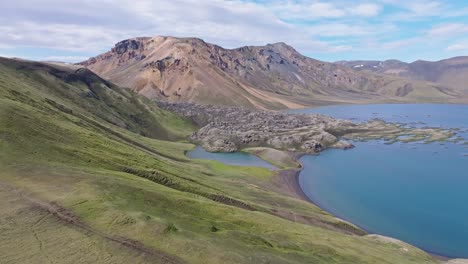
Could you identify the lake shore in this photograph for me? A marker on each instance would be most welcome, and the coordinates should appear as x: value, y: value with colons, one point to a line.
x: 265, y: 134
x: 290, y: 185
x: 286, y: 181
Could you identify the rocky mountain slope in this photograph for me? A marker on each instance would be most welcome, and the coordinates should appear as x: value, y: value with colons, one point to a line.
x: 451, y: 72
x: 273, y: 76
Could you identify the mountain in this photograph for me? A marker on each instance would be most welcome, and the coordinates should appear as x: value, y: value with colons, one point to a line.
x: 94, y: 173
x: 274, y: 76
x: 451, y: 72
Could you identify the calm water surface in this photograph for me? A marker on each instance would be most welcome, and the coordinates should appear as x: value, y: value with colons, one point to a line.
x: 237, y: 158
x: 414, y: 192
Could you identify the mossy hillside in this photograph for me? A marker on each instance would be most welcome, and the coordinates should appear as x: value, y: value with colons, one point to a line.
x: 80, y: 92
x: 133, y: 193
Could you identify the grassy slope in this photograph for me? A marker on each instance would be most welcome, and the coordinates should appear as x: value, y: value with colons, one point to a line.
x: 88, y: 176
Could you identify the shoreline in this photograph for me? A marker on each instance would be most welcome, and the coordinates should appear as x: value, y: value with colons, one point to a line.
x: 286, y: 182
x: 290, y: 177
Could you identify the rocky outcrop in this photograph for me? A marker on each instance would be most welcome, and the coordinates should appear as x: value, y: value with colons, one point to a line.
x: 229, y: 129
x: 125, y: 45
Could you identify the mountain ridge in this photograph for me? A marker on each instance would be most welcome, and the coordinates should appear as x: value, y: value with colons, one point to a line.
x: 274, y: 76
x: 451, y: 72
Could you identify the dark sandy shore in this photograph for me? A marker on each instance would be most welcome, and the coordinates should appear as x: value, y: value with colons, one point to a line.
x: 288, y: 183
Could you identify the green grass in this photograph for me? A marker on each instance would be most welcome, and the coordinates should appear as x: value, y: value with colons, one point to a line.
x: 114, y: 163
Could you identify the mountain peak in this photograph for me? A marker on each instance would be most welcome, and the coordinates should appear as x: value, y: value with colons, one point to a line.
x: 272, y: 76
x: 281, y: 46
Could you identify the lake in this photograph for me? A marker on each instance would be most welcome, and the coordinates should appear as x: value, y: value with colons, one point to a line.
x: 415, y: 192
x: 236, y: 158
x: 410, y: 191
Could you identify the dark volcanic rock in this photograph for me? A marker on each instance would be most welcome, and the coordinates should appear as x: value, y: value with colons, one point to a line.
x: 125, y: 45
x: 228, y: 129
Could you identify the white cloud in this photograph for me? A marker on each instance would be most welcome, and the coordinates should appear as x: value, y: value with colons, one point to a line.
x: 321, y: 9
x: 59, y: 36
x: 343, y: 29
x: 305, y: 10
x: 418, y: 9
x: 446, y: 30
x: 341, y: 48
x: 65, y: 58
x: 367, y: 10
x: 463, y: 46
x: 88, y: 27
x: 3, y: 46
x: 94, y: 26
x: 424, y: 8
x: 337, y: 29
x: 398, y: 44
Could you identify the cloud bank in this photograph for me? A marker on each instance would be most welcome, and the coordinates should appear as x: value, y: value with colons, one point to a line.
x: 325, y: 29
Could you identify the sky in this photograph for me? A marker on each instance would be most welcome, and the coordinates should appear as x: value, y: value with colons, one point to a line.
x: 333, y: 30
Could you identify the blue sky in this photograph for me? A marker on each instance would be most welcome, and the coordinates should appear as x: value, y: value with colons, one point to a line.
x: 333, y: 30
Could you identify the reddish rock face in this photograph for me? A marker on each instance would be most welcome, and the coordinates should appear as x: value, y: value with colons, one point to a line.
x: 274, y: 76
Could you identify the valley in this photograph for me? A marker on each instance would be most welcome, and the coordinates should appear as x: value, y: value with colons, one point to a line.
x: 233, y: 132
x: 88, y: 164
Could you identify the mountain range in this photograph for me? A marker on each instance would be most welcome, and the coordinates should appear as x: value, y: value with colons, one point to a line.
x: 274, y: 76
x: 451, y: 72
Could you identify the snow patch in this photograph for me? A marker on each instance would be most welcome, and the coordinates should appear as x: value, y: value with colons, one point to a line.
x: 299, y: 78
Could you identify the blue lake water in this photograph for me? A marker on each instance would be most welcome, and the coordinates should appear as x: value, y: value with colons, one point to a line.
x: 414, y: 192
x: 237, y: 158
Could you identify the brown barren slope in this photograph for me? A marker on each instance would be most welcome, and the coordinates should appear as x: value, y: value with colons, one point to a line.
x: 451, y: 72
x: 274, y: 76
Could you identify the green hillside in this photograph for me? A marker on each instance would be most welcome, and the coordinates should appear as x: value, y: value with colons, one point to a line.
x: 92, y: 173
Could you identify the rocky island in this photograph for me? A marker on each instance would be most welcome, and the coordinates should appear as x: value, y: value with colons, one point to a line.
x: 230, y: 129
